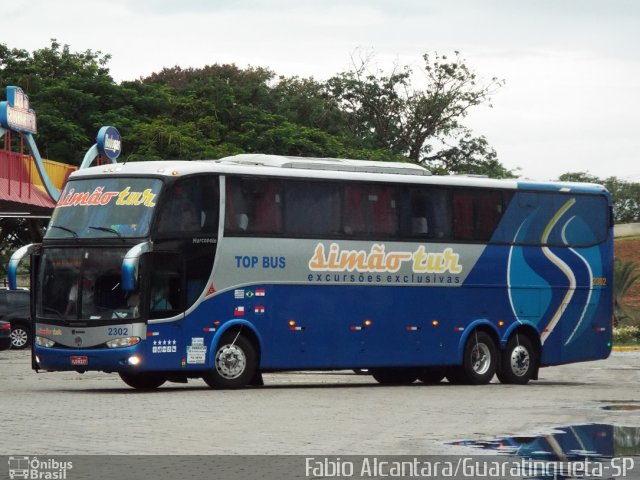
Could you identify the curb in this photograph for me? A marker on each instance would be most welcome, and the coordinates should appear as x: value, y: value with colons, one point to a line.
x: 627, y: 349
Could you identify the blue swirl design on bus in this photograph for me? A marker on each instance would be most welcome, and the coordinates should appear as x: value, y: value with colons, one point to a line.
x: 555, y: 275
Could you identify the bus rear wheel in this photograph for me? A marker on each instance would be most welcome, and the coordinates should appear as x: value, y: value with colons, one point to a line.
x: 479, y: 362
x: 234, y: 365
x: 518, y: 361
x: 395, y: 376
x: 143, y: 381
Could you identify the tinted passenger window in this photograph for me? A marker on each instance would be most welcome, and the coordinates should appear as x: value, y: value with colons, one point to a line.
x: 476, y: 214
x: 311, y: 208
x: 426, y: 213
x: 190, y: 207
x: 370, y: 210
x: 253, y: 206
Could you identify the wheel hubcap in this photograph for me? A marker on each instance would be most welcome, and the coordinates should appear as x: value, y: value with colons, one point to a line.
x: 520, y: 360
x: 480, y: 358
x: 18, y: 338
x: 230, y: 361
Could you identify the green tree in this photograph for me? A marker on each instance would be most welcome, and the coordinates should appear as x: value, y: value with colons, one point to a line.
x: 624, y: 277
x: 625, y: 195
x: 69, y: 90
x: 387, y: 111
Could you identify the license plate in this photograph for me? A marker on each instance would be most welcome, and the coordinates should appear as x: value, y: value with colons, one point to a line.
x: 79, y: 360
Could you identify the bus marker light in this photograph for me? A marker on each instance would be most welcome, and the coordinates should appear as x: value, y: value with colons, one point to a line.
x: 174, y: 173
x: 435, y: 323
x: 216, y: 323
x: 501, y: 323
x: 293, y: 327
x: 367, y: 323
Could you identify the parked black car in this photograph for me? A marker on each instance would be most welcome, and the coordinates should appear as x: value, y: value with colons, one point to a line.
x: 5, y: 335
x: 14, y: 308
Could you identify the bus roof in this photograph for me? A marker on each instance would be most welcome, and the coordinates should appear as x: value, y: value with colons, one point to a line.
x: 322, y: 168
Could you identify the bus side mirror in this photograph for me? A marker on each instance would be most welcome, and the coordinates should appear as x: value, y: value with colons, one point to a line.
x: 131, y: 264
x: 14, y: 262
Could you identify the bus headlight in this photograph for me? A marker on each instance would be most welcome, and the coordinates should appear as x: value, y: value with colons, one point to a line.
x: 44, y: 342
x: 123, y: 342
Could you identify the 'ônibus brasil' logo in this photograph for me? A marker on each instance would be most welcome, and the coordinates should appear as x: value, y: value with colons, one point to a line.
x: 377, y: 260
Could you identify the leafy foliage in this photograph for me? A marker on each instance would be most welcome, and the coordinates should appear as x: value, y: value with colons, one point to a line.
x: 386, y: 111
x: 626, y: 195
x: 220, y: 110
x: 624, y: 276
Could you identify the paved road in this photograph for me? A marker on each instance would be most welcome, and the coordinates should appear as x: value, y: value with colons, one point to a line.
x: 336, y: 413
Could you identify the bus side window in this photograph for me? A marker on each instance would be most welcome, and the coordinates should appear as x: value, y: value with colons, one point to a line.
x: 369, y: 210
x: 383, y: 210
x: 166, y: 294
x: 188, y: 210
x: 463, y: 216
x: 267, y: 211
x: 311, y: 208
x: 353, y: 210
x: 490, y: 209
x: 253, y: 206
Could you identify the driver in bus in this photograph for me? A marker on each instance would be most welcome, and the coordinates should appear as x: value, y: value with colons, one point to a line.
x: 87, y: 299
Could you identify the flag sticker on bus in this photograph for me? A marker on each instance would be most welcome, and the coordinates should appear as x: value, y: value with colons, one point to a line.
x: 238, y: 311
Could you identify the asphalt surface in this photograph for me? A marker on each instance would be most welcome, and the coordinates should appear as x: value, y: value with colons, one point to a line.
x: 302, y: 413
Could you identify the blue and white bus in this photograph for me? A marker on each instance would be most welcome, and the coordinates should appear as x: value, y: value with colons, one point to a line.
x: 225, y: 269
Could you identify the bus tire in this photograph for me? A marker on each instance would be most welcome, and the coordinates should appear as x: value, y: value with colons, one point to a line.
x: 479, y: 361
x: 395, y: 376
x: 234, y: 364
x: 143, y: 381
x: 518, y: 361
x: 431, y: 376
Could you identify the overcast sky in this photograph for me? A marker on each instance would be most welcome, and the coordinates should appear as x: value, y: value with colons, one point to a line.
x: 572, y: 68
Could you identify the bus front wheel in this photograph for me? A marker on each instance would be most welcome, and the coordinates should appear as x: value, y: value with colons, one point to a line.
x: 518, y: 361
x: 143, y: 381
x: 234, y: 365
x: 479, y: 363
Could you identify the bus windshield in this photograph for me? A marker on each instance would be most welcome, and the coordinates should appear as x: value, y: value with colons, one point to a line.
x: 84, y: 284
x: 99, y: 208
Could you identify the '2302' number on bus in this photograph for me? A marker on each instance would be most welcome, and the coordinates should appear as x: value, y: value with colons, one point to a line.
x: 118, y: 331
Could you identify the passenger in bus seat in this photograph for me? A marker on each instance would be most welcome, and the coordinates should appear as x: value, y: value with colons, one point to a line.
x: 419, y: 226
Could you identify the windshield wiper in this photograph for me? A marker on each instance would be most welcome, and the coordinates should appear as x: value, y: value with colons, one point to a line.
x: 107, y: 229
x: 75, y: 235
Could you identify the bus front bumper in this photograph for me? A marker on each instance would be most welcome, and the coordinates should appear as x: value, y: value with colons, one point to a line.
x: 82, y: 360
